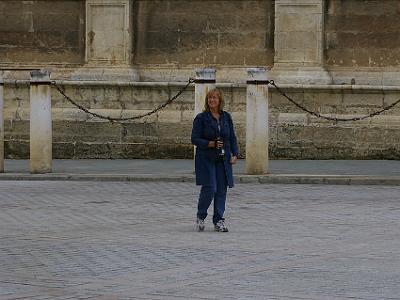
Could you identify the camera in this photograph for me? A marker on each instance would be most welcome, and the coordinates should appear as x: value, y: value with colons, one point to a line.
x: 222, y: 152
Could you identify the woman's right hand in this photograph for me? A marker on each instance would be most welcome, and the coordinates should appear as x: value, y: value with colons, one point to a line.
x: 216, y: 144
x: 211, y: 144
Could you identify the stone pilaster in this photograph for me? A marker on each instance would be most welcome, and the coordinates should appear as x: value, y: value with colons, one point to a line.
x: 108, y: 28
x: 299, y: 41
x: 108, y: 53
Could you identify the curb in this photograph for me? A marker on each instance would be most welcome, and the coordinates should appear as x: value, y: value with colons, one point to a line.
x: 321, y: 179
x: 261, y: 179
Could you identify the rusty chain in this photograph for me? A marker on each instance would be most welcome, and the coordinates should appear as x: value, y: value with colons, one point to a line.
x: 113, y: 119
x: 191, y: 80
x: 318, y: 115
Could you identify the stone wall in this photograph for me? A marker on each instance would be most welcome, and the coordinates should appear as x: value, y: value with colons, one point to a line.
x: 362, y: 33
x: 78, y: 135
x: 294, y: 134
x: 336, y: 57
x: 36, y: 32
x: 197, y: 32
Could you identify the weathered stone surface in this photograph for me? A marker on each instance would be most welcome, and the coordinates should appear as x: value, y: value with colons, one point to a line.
x: 108, y: 36
x: 204, y: 32
x: 293, y: 133
x: 362, y: 33
x: 30, y: 34
x: 171, y: 38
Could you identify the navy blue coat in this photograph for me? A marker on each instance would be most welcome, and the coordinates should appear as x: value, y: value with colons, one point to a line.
x: 205, y: 129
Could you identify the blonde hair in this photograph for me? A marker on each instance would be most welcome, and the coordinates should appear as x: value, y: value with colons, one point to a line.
x: 220, y: 98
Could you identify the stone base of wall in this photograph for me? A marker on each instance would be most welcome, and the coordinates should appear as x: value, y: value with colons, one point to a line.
x: 294, y: 134
x: 82, y: 150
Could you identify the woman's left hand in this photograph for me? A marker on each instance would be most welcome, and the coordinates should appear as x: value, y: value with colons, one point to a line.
x: 233, y: 160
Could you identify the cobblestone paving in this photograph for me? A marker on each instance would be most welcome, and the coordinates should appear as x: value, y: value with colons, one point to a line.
x: 106, y: 241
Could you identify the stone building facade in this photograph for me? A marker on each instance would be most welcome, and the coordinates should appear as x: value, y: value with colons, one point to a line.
x: 125, y: 57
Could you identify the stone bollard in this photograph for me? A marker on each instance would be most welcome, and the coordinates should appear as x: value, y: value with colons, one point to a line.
x: 204, y: 82
x: 257, y: 122
x: 1, y: 124
x: 40, y: 123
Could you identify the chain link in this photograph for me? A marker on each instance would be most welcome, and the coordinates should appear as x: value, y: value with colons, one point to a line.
x: 318, y: 115
x: 113, y: 119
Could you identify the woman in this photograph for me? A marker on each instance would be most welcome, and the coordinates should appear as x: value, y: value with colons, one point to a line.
x: 216, y: 152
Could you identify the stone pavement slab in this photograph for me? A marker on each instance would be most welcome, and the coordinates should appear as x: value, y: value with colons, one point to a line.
x: 135, y: 240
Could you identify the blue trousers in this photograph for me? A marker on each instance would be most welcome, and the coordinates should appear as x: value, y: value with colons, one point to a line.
x: 217, y: 192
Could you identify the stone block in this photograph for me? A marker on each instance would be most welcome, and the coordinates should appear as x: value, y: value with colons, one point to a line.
x: 378, y: 40
x: 169, y: 116
x: 226, y: 23
x: 86, y: 132
x: 384, y: 57
x: 196, y: 40
x: 58, y: 22
x: 188, y: 115
x: 63, y: 150
x: 162, y: 40
x: 340, y: 57
x: 238, y: 117
x: 58, y: 7
x: 372, y: 100
x: 14, y: 7
x: 298, y: 22
x: 251, y: 23
x: 15, y: 22
x: 208, y: 7
x: 280, y: 104
x: 156, y: 6
x: 293, y: 118
x: 90, y: 151
x: 311, y: 56
x: 174, y: 130
x: 16, y: 149
x: 259, y: 57
x: 258, y: 7
x: 17, y: 114
x: 362, y: 23
x: 156, y: 21
x: 170, y: 151
x: 385, y: 120
x: 364, y: 7
x: 290, y: 55
x: 224, y: 57
x: 299, y: 40
x: 16, y: 130
x: 250, y: 40
x: 324, y: 98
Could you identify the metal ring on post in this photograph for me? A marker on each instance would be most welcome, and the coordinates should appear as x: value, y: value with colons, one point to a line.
x: 258, y: 82
x: 204, y: 81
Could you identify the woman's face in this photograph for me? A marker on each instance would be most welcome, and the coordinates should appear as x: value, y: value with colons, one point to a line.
x: 213, y: 100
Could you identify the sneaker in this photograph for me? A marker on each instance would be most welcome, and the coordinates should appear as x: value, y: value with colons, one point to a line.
x: 199, y: 225
x: 220, y: 226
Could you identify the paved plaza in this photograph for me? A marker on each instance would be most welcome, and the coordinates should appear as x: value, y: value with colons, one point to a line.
x: 135, y: 240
